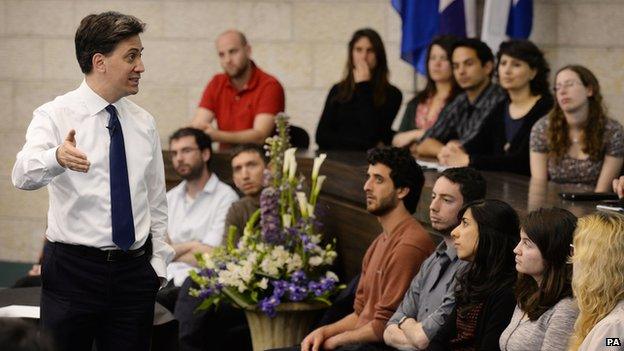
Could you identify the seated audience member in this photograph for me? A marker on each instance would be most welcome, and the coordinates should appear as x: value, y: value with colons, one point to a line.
x: 423, y: 110
x: 484, y: 300
x: 392, y: 188
x: 546, y: 311
x: 577, y: 142
x: 248, y: 164
x: 197, y: 206
x: 598, y: 256
x: 502, y: 144
x: 359, y: 110
x: 430, y: 298
x: 17, y: 334
x: 461, y: 120
x: 225, y: 328
x: 244, y: 100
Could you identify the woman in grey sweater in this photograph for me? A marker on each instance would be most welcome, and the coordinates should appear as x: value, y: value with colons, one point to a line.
x: 545, y: 314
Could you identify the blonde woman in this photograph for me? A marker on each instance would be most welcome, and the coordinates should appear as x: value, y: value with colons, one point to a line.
x: 598, y: 280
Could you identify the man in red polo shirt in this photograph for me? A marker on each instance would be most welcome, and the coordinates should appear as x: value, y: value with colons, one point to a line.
x: 244, y: 99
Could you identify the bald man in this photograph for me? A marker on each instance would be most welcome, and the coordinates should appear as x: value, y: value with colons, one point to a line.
x: 244, y: 99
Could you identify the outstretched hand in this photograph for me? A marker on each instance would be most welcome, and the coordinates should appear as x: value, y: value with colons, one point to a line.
x: 68, y: 156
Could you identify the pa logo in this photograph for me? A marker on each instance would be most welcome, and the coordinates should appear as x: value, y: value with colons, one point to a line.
x: 613, y: 342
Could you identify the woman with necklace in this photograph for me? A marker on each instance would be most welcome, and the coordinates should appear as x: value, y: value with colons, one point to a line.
x: 545, y: 314
x: 577, y: 142
x: 422, y: 111
x: 485, y: 237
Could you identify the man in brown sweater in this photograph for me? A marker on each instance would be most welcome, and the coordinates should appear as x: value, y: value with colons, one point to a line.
x: 393, y: 186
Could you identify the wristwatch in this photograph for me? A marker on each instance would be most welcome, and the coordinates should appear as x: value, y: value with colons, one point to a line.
x: 403, y: 319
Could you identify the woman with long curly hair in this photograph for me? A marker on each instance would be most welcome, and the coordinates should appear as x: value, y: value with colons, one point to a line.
x: 545, y: 314
x: 598, y: 280
x: 502, y: 143
x: 577, y: 142
x: 484, y: 299
x: 360, y: 109
x: 422, y: 111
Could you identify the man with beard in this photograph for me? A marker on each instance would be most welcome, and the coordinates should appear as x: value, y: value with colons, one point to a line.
x: 393, y: 186
x: 430, y: 299
x: 197, y: 206
x: 244, y: 100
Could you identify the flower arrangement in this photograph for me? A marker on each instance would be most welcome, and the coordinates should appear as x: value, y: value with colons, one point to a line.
x: 280, y: 257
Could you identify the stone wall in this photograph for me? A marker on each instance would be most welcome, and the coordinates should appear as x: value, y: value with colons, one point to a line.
x: 303, y: 43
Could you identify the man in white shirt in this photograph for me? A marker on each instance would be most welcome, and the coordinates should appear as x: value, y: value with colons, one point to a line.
x: 99, y: 154
x: 198, y: 205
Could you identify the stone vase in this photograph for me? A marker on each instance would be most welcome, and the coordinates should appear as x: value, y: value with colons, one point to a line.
x: 287, y: 328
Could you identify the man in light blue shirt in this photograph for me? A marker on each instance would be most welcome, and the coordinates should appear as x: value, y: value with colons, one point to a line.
x: 430, y: 298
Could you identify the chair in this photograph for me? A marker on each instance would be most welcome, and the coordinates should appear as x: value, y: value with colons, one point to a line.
x: 299, y: 138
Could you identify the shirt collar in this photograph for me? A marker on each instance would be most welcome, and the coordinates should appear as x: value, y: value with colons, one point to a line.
x: 253, y: 79
x: 487, y: 94
x: 94, y: 102
x: 443, y: 249
x: 210, y: 187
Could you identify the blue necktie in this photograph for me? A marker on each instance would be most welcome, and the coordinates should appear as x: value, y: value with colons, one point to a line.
x: 121, y: 205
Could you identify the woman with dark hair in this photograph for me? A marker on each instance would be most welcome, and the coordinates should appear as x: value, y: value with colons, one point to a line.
x: 577, y: 142
x: 546, y: 311
x: 485, y: 237
x: 503, y: 141
x: 423, y: 110
x: 359, y: 110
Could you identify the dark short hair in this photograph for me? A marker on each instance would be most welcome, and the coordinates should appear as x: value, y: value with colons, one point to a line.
x: 404, y: 172
x: 552, y: 230
x: 525, y: 50
x: 202, y: 139
x: 101, y: 33
x: 484, y: 53
x: 250, y: 147
x: 472, y: 185
x: 493, y: 266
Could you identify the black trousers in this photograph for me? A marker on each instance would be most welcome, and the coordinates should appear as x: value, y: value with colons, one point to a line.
x: 86, y: 299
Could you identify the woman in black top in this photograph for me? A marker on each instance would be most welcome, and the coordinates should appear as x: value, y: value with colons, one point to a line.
x: 360, y: 109
x: 503, y: 142
x: 486, y: 235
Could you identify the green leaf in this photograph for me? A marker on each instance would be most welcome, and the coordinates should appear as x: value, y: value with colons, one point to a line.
x: 323, y: 300
x: 241, y: 300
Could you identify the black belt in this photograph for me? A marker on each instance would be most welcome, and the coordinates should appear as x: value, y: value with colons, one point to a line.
x: 96, y: 254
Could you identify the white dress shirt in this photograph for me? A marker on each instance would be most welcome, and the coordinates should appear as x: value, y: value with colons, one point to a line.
x: 201, y: 220
x: 79, y: 203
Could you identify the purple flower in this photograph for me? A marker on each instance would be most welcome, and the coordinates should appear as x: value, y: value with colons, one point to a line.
x: 208, y: 272
x: 297, y: 292
x: 316, y: 288
x: 279, y: 287
x: 268, y: 305
x: 298, y: 276
x: 269, y: 216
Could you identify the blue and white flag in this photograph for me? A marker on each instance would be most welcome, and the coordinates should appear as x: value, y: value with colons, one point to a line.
x: 504, y: 19
x: 422, y: 20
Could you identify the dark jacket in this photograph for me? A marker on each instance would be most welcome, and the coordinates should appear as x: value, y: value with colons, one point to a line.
x: 357, y: 124
x: 493, y: 319
x: 487, y: 150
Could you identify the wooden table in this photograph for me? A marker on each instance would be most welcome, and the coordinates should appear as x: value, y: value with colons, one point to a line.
x: 343, y: 201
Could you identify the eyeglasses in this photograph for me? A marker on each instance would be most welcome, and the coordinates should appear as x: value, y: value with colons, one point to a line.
x: 185, y: 151
x: 567, y: 84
